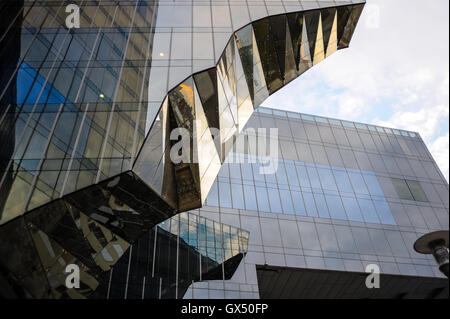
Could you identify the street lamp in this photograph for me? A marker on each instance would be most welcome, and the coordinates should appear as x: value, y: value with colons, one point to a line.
x: 435, y: 243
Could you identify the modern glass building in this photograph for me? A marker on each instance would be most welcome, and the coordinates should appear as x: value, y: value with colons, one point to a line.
x: 345, y: 195
x: 89, y: 98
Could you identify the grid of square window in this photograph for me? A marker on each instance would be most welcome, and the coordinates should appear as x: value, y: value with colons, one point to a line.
x: 304, y: 189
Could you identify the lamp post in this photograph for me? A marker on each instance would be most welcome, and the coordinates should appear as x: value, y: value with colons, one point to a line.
x: 435, y: 243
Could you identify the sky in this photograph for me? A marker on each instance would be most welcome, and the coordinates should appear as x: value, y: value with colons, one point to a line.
x: 395, y: 74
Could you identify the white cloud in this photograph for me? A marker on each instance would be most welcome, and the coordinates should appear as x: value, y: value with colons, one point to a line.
x: 439, y: 150
x: 351, y: 107
x: 424, y: 121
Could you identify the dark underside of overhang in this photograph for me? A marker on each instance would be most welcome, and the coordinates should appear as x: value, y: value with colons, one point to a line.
x: 298, y: 283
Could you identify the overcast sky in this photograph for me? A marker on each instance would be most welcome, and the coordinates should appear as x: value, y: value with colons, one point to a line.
x: 395, y: 74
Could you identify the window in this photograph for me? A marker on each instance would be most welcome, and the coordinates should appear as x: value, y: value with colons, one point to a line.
x: 409, y: 190
x: 250, y: 198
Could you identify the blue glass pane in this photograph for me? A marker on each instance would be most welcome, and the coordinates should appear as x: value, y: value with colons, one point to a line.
x: 26, y: 76
x: 373, y: 185
x: 343, y: 182
x: 321, y: 205
x: 235, y: 171
x: 250, y: 197
x: 327, y: 179
x: 258, y: 177
x: 270, y: 179
x: 358, y: 183
x: 303, y: 176
x: 247, y: 174
x: 313, y: 177
x: 310, y: 204
x: 286, y: 201
x: 384, y: 212
x: 368, y: 210
x: 336, y: 209
x: 291, y: 174
x: 299, y: 207
x: 224, y: 171
x: 225, y: 195
x: 213, y: 199
x: 274, y: 200
x: 352, y: 209
x: 238, y: 196
x: 263, y: 202
x: 281, y: 174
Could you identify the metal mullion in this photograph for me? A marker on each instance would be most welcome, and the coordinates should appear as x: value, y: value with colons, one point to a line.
x: 109, y: 283
x: 177, y: 269
x: 128, y: 272
x: 154, y: 251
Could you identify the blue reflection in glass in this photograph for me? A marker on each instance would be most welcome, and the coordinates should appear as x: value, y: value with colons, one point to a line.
x: 235, y: 172
x: 313, y: 177
x: 238, y: 196
x: 368, y: 211
x: 310, y: 204
x: 25, y: 77
x: 358, y: 182
x: 303, y: 176
x: 298, y: 203
x: 224, y: 171
x: 291, y: 174
x: 321, y: 205
x: 250, y: 198
x: 286, y: 202
x: 372, y: 184
x: 246, y: 169
x: 258, y: 177
x: 304, y: 189
x: 274, y: 200
x: 225, y: 195
x: 384, y: 212
x: 343, y: 182
x: 327, y: 179
x: 352, y: 209
x: 281, y: 174
x: 271, y: 179
x: 335, y: 206
x: 263, y: 202
x: 213, y: 198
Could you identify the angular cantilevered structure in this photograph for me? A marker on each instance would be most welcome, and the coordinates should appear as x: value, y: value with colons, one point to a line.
x: 86, y: 116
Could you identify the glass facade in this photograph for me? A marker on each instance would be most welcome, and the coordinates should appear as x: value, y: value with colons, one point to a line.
x: 86, y: 174
x: 77, y: 104
x: 184, y: 249
x: 334, y: 204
